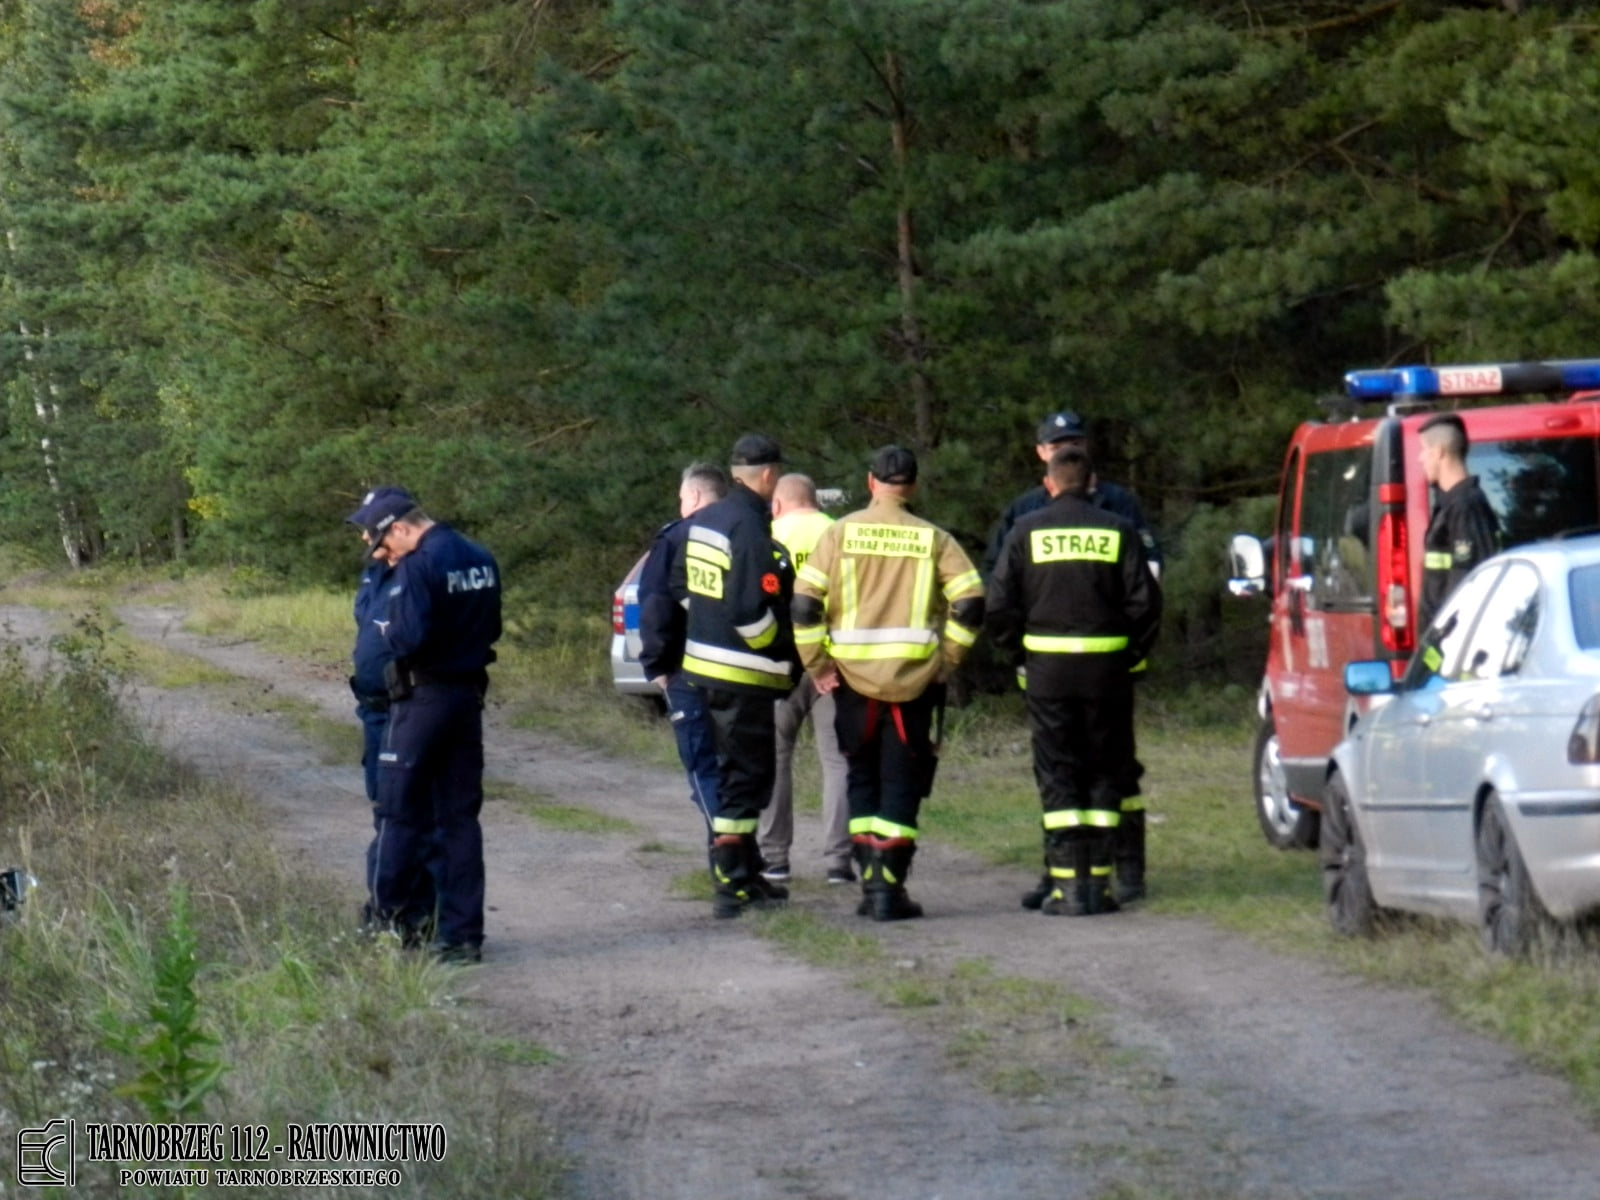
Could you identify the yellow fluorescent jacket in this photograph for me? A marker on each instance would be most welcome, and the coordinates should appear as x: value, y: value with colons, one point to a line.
x: 886, y: 579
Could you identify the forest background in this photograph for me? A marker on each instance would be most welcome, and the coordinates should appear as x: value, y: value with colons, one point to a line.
x: 531, y: 257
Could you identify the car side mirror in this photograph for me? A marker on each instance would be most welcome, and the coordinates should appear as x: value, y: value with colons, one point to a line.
x: 1368, y: 678
x: 1247, y: 565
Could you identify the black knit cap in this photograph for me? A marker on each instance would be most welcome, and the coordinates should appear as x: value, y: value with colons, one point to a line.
x: 756, y: 450
x: 894, y: 464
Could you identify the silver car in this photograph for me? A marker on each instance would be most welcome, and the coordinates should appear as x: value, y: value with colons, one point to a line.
x: 627, y: 675
x: 1471, y: 786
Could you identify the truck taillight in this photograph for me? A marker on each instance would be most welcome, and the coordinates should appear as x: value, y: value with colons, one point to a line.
x: 1394, y: 593
x: 1583, y: 744
x: 617, y: 623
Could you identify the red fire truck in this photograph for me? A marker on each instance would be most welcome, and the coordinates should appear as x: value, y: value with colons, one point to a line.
x: 1343, y: 567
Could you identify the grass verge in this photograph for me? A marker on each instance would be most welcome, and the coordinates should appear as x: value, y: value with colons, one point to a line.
x: 170, y: 966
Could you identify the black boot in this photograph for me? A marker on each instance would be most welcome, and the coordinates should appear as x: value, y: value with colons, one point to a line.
x: 1041, y: 890
x: 762, y: 890
x: 1128, y: 856
x: 730, y: 876
x: 861, y: 851
x: 1067, y: 868
x: 892, y: 860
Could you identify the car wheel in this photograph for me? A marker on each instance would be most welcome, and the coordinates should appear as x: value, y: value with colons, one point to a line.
x: 1286, y: 824
x: 1345, y: 887
x: 1509, y: 914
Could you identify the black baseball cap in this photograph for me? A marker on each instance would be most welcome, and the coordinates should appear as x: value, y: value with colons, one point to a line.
x: 1061, y: 427
x: 756, y: 450
x: 894, y: 464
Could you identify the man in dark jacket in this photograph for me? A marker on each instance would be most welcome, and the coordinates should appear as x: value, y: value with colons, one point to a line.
x: 413, y: 920
x: 443, y: 620
x: 1463, y: 530
x: 737, y: 583
x: 661, y: 635
x: 1055, y: 431
x: 1073, y: 592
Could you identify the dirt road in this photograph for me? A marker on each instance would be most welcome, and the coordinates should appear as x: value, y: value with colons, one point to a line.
x: 698, y: 1061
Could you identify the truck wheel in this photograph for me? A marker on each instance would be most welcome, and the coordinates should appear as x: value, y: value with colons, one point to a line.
x: 1345, y: 887
x: 1509, y: 914
x: 1286, y: 824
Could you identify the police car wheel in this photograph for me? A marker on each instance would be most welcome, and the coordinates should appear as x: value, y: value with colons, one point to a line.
x: 1510, y: 916
x: 1345, y: 887
x: 1285, y: 824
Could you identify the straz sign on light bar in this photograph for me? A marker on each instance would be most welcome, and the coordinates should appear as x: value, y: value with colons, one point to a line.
x: 1469, y: 381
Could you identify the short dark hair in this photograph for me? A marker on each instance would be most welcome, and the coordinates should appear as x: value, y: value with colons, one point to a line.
x: 1071, y: 469
x: 756, y: 450
x: 1447, y: 433
x: 708, y: 477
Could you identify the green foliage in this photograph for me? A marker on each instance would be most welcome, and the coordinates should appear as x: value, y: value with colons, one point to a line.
x: 529, y: 259
x: 178, y: 1060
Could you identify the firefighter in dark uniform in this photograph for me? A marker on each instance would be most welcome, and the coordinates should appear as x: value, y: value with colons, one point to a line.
x: 414, y: 919
x: 1463, y: 530
x: 736, y: 583
x: 661, y: 636
x: 443, y: 621
x: 1073, y: 591
x: 887, y: 605
x: 1055, y: 432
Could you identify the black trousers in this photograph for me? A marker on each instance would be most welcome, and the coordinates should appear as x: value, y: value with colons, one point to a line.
x: 889, y: 749
x: 1082, y: 754
x: 745, y: 736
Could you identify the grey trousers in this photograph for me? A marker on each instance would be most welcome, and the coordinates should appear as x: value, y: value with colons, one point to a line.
x: 777, y: 819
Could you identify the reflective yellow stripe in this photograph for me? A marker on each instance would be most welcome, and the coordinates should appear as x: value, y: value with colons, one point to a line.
x: 921, y: 594
x: 735, y: 824
x: 1438, y: 560
x: 1041, y: 644
x: 759, y: 634
x: 710, y: 554
x: 810, y: 635
x: 961, y: 584
x: 1132, y: 804
x: 730, y: 674
x: 1062, y: 873
x: 960, y: 634
x: 1022, y: 678
x: 847, y: 594
x: 1099, y: 870
x: 880, y: 827
x: 1142, y: 665
x: 915, y: 651
x: 809, y: 574
x: 1078, y: 818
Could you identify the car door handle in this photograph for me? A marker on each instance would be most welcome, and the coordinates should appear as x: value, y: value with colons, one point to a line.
x: 1485, y: 712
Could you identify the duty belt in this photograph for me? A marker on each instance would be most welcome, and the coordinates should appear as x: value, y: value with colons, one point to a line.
x: 447, y: 678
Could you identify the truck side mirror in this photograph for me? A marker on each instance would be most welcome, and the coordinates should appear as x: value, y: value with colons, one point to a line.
x: 1247, y: 565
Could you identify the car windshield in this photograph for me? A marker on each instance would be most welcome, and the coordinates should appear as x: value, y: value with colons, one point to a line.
x: 1584, y: 586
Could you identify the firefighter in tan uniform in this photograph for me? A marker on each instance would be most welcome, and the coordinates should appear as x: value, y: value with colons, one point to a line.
x: 884, y: 609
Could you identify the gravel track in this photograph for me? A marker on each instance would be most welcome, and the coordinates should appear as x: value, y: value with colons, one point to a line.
x: 698, y: 1061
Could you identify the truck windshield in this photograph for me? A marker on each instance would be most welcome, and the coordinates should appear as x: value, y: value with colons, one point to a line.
x: 1538, y: 487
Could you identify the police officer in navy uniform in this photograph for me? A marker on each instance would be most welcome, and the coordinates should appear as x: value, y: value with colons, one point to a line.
x: 415, y: 916
x: 1073, y: 591
x: 1463, y: 530
x: 443, y: 620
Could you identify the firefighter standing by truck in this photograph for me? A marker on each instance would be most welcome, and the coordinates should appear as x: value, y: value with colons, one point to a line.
x: 1073, y: 591
x: 1463, y: 531
x: 736, y: 584
x: 885, y: 608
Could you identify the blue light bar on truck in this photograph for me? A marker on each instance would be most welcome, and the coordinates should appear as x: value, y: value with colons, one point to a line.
x: 1485, y: 379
